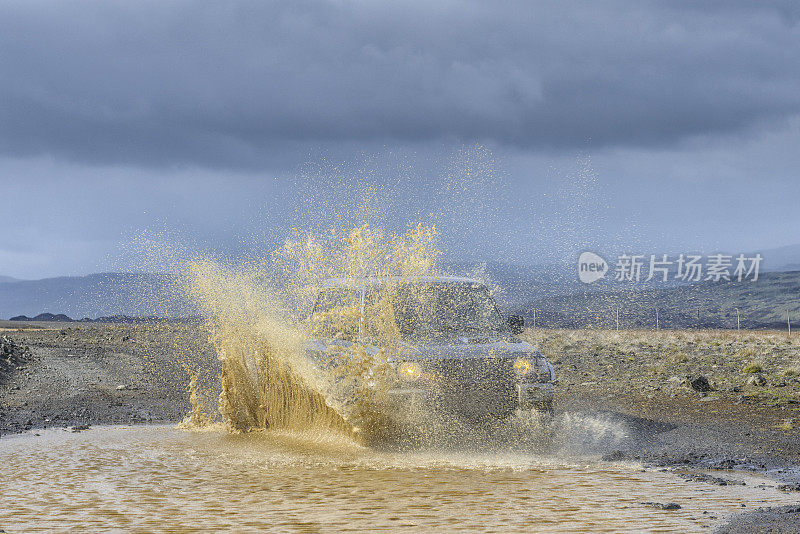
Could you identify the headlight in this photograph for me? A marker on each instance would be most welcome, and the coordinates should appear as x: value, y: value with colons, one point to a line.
x: 523, y: 366
x: 409, y: 371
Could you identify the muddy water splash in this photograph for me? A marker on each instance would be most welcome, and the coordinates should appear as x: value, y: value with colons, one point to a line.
x: 256, y: 316
x: 265, y: 380
x: 258, y: 319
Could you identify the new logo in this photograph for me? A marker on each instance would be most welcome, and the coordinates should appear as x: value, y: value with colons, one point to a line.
x: 591, y: 267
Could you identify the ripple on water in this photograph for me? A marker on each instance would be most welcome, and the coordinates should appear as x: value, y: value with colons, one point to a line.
x: 161, y: 478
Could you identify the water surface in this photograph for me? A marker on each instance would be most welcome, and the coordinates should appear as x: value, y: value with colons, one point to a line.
x: 165, y: 479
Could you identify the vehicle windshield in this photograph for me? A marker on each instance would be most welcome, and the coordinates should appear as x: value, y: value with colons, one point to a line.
x: 445, y: 308
x: 417, y: 310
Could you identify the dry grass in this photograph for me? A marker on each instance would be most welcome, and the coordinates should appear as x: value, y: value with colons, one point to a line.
x: 787, y: 424
x: 752, y: 367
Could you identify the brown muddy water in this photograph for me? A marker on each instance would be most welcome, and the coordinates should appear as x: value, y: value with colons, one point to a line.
x: 159, y: 478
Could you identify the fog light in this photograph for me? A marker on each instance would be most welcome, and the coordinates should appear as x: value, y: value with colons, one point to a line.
x: 409, y: 371
x: 522, y: 366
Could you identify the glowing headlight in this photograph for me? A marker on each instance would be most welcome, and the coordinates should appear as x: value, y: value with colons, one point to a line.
x: 409, y: 371
x: 522, y: 366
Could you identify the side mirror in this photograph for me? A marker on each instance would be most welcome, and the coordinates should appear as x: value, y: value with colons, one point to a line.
x: 516, y: 323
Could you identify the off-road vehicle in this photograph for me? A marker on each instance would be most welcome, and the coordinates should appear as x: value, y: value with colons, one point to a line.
x: 457, y: 352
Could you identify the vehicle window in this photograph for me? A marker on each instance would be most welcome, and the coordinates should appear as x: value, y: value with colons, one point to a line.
x: 380, y: 323
x: 406, y: 310
x: 337, y: 314
x: 336, y: 297
x: 446, y: 308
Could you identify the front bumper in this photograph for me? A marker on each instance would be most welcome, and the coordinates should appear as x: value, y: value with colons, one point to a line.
x: 535, y: 395
x: 470, y: 402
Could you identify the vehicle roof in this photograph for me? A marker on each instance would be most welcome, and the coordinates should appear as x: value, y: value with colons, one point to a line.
x: 358, y: 282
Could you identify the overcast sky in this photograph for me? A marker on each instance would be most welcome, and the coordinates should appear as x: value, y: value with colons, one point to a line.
x: 654, y: 126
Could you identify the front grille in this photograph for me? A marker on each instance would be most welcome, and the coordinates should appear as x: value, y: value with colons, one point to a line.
x: 495, y: 374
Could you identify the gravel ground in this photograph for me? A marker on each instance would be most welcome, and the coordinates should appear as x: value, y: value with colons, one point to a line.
x: 745, y: 415
x: 648, y: 376
x: 77, y: 374
x: 101, y: 374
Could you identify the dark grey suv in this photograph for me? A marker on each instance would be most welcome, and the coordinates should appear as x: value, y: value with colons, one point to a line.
x: 455, y: 351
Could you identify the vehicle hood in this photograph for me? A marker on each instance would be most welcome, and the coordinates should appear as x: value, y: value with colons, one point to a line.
x: 497, y: 346
x: 469, y: 348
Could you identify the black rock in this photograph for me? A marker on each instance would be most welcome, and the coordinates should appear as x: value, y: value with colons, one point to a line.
x: 663, y: 506
x: 699, y: 383
x: 702, y: 477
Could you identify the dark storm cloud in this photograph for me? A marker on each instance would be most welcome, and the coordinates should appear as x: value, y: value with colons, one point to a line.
x: 151, y: 83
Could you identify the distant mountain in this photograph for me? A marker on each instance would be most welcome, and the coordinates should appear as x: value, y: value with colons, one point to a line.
x: 553, y: 290
x: 123, y: 319
x: 520, y: 285
x: 782, y: 258
x: 95, y: 295
x: 7, y: 279
x: 760, y: 304
x: 46, y: 317
x: 516, y: 285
